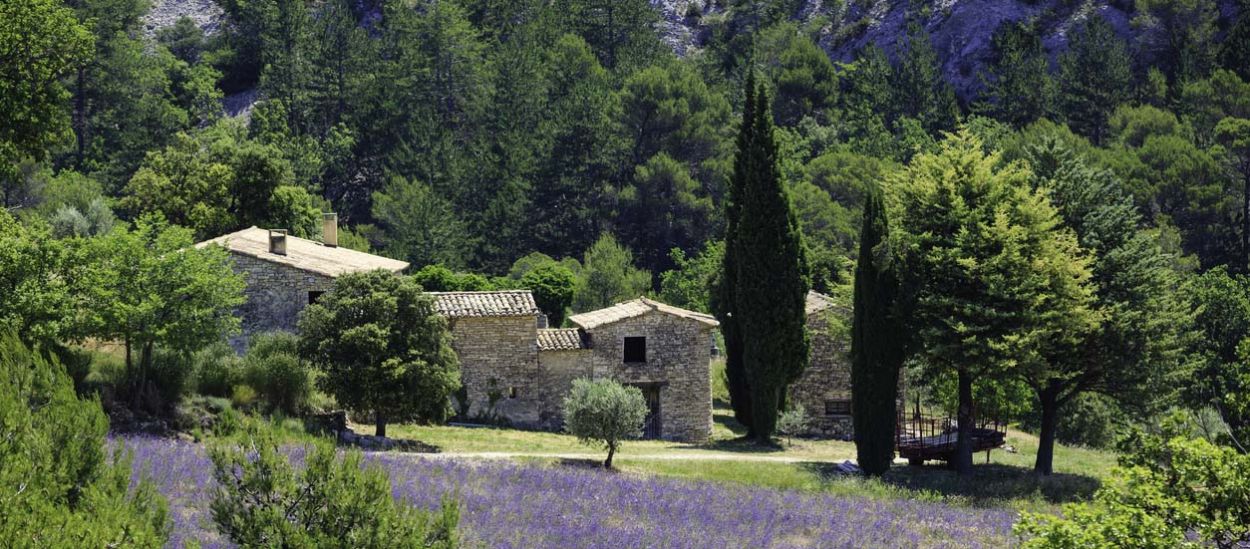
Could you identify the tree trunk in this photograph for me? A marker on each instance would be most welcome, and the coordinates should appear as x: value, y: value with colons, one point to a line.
x: 962, y: 460
x: 1049, y: 398
x: 764, y: 409
x: 380, y: 424
x: 607, y: 463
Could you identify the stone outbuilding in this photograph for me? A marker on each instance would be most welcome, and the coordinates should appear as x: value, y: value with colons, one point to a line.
x: 514, y: 371
x: 284, y: 273
x: 824, y: 389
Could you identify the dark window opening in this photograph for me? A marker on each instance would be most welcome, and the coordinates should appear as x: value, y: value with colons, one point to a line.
x: 837, y: 407
x: 314, y: 296
x: 512, y: 392
x: 635, y: 349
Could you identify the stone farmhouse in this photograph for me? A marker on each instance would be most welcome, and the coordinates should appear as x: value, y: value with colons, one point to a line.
x: 824, y: 388
x: 514, y: 369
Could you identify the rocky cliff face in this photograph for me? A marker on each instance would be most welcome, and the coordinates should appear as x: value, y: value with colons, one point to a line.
x: 961, y: 30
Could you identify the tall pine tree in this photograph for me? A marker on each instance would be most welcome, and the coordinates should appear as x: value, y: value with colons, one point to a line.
x: 770, y: 278
x: 722, y: 300
x: 876, y: 353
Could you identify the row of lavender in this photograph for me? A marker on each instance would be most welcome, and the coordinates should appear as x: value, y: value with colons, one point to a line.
x: 504, y: 504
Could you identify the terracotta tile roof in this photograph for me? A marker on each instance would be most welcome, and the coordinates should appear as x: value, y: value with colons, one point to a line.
x: 817, y: 302
x: 486, y: 304
x: 560, y: 339
x: 303, y: 254
x: 635, y: 308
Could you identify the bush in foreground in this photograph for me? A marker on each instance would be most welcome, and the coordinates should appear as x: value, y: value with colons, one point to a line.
x: 274, y: 369
x: 1171, y: 492
x: 263, y: 501
x: 604, y: 412
x: 58, y: 487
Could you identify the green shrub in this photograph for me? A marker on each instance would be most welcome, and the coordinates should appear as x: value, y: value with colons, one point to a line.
x: 58, y: 486
x: 168, y: 380
x: 793, y: 422
x: 1170, y: 492
x: 262, y: 501
x: 604, y: 412
x: 217, y: 370
x: 273, y: 368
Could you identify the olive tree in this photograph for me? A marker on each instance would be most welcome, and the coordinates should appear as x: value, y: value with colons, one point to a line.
x: 382, y: 347
x: 604, y: 412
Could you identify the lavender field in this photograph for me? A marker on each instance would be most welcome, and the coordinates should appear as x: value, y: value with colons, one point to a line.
x: 509, y: 505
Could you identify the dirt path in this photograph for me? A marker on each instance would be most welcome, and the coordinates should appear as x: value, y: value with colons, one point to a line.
x: 628, y: 456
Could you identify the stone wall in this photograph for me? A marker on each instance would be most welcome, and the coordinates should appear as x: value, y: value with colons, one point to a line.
x: 827, y: 378
x: 499, y: 363
x: 276, y: 294
x: 557, y: 370
x: 678, y: 356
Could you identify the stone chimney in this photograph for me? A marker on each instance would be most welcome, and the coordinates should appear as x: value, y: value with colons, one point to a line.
x: 330, y: 229
x: 277, y: 241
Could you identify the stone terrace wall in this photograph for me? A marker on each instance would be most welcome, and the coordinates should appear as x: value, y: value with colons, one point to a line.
x: 678, y: 356
x: 827, y: 377
x: 499, y: 356
x: 557, y: 370
x: 276, y: 293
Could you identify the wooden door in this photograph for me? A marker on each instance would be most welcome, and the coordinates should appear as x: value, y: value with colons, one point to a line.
x: 651, y: 427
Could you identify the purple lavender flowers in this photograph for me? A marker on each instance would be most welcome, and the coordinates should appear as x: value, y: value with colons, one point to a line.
x: 510, y: 505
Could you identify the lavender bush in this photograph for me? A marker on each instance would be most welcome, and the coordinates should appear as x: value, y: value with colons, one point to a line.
x: 510, y: 505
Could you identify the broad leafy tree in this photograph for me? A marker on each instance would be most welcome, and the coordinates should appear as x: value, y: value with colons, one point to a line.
x: 148, y: 288
x: 40, y: 42
x: 604, y: 412
x: 991, y: 279
x: 382, y: 348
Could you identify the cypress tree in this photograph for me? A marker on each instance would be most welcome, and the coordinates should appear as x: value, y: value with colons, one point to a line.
x: 722, y: 296
x: 770, y: 268
x: 876, y: 355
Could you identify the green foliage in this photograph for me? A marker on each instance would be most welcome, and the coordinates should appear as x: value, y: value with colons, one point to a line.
x: 992, y: 280
x: 218, y: 180
x: 608, y: 276
x: 437, y: 278
x: 770, y: 272
x: 1168, y: 492
x: 273, y: 368
x: 603, y: 411
x: 35, y: 275
x: 419, y: 225
x: 620, y: 32
x: 216, y: 369
x: 920, y: 90
x: 59, y: 485
x: 40, y: 42
x: 262, y: 500
x: 690, y: 283
x: 149, y: 288
x: 877, y: 353
x: 1223, y: 318
x: 1186, y: 51
x: 382, y: 348
x: 553, y: 285
x: 1094, y: 77
x: 801, y: 73
x: 663, y: 209
x: 1137, y: 351
x: 1019, y: 89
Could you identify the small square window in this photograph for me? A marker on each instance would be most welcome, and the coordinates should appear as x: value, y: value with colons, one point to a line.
x: 314, y: 296
x: 635, y: 349
x: 512, y: 392
x: 837, y: 407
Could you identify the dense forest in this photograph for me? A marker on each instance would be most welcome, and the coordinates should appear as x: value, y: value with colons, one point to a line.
x: 482, y: 139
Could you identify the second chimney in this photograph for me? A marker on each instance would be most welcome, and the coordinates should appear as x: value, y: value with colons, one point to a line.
x: 277, y: 241
x: 330, y: 229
